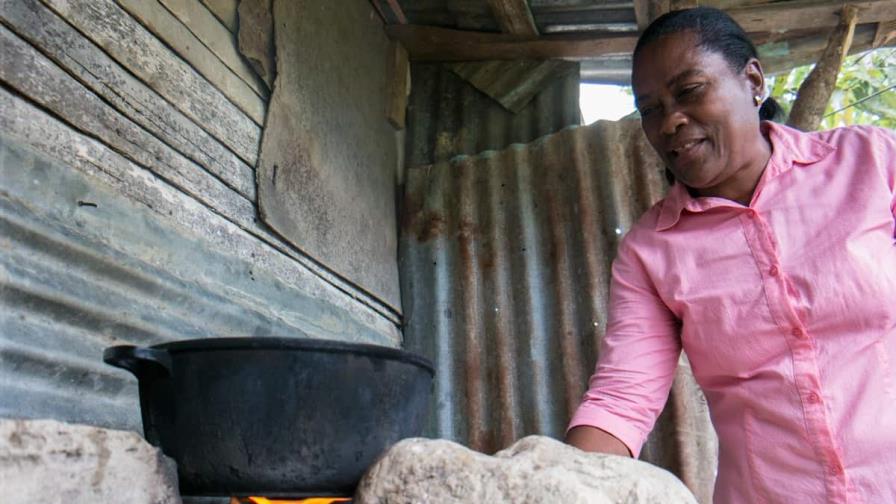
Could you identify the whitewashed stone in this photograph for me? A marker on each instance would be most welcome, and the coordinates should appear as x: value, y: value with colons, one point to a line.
x: 534, y: 470
x: 51, y: 462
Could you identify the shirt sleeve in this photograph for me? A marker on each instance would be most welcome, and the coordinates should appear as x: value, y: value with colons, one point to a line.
x: 637, y: 359
x: 878, y: 147
x: 886, y: 146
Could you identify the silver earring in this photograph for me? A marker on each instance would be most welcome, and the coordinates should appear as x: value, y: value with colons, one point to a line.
x: 757, y: 100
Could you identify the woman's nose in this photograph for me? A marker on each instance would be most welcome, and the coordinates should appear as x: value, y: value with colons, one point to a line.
x: 672, y: 121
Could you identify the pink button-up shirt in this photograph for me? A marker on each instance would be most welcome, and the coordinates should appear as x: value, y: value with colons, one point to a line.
x: 786, y: 310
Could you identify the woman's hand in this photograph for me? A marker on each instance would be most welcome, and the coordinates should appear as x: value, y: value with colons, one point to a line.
x: 592, y: 439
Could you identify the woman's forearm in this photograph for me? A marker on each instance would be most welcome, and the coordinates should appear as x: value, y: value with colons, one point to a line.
x: 592, y: 439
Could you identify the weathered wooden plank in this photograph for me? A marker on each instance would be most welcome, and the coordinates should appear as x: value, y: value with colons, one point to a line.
x: 219, y: 40
x: 38, y: 130
x: 45, y: 83
x: 886, y: 31
x: 101, y: 74
x: 514, y: 17
x: 398, y: 75
x: 256, y: 38
x: 819, y: 13
x: 425, y: 43
x: 225, y: 11
x: 169, y: 29
x: 126, y: 41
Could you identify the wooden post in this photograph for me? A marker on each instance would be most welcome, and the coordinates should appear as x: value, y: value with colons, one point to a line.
x: 886, y: 31
x: 815, y: 92
x: 398, y: 75
x: 514, y: 17
x: 648, y: 10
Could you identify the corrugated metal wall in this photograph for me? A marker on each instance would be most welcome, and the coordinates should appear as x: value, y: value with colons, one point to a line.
x: 505, y: 260
x: 83, y: 267
x: 128, y: 142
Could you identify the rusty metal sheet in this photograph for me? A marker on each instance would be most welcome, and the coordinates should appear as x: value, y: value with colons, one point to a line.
x: 505, y: 260
x: 513, y: 84
x: 447, y: 116
x: 549, y: 15
x: 328, y: 161
x: 609, y: 69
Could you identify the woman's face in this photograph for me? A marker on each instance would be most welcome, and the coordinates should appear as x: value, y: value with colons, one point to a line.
x: 697, y: 112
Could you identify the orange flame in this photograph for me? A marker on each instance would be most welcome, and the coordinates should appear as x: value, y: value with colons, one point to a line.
x: 312, y: 500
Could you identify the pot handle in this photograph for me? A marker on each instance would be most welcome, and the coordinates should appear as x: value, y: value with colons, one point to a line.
x: 140, y: 361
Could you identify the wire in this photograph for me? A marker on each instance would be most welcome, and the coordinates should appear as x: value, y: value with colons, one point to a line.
x: 853, y: 104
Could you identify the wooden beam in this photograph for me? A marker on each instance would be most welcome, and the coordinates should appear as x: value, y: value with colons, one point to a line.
x: 685, y: 4
x: 819, y: 13
x: 861, y: 42
x: 815, y: 92
x: 426, y: 43
x: 514, y: 17
x: 390, y: 11
x: 642, y: 14
x: 648, y: 10
x: 886, y: 32
x: 398, y: 84
x: 731, y: 4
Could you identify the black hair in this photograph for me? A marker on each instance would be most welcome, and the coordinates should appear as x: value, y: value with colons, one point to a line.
x: 716, y: 32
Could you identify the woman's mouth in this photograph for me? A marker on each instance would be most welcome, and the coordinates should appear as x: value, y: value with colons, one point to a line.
x: 686, y: 152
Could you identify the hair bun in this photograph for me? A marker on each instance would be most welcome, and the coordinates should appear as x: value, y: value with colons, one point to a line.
x: 771, y: 111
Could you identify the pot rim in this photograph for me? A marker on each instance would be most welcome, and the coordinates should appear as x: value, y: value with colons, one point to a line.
x: 284, y: 343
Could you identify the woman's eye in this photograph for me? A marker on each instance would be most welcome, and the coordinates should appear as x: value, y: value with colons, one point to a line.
x: 646, y: 111
x: 690, y: 90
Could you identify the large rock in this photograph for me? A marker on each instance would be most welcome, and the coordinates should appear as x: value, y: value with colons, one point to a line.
x: 54, y: 463
x: 534, y: 470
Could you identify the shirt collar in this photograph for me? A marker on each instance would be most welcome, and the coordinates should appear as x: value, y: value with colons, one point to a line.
x: 789, y: 146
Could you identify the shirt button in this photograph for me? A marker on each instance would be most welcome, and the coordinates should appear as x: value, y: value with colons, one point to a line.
x: 773, y: 271
x: 798, y: 332
x: 814, y: 398
x: 751, y: 214
x: 835, y: 469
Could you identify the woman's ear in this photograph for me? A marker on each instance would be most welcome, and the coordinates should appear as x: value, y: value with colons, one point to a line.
x: 755, y: 77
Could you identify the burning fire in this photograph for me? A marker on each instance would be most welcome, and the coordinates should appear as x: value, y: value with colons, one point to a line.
x: 312, y: 500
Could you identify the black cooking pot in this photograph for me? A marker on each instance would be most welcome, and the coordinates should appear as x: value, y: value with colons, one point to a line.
x: 275, y: 416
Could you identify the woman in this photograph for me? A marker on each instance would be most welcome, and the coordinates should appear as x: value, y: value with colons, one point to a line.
x: 772, y: 264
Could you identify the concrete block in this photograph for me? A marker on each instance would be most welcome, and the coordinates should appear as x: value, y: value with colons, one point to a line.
x: 57, y: 463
